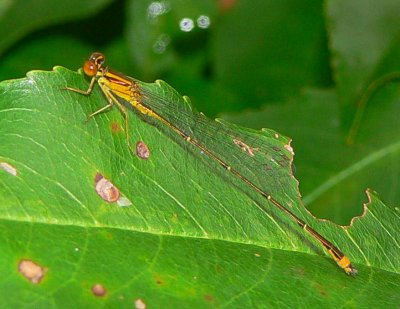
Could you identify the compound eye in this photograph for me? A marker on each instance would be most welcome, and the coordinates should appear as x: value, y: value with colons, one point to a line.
x: 89, y: 68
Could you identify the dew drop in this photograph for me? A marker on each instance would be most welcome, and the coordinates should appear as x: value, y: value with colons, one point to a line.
x: 186, y: 24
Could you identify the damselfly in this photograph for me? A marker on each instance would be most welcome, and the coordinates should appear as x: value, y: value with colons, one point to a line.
x: 126, y: 93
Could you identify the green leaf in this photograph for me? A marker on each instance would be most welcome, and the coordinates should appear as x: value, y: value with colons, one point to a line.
x: 192, y: 235
x: 18, y: 18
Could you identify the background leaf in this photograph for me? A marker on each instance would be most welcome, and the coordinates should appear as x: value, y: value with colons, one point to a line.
x: 18, y: 18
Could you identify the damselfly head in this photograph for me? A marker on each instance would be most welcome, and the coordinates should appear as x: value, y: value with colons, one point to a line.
x: 91, y: 66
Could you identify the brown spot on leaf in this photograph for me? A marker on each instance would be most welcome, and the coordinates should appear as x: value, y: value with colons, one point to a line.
x: 267, y: 167
x: 282, y: 163
x: 142, y: 150
x: 209, y: 298
x: 140, y: 304
x: 300, y: 272
x: 99, y: 290
x: 8, y: 168
x: 320, y: 288
x: 116, y: 127
x: 31, y: 271
x: 105, y: 189
x: 109, y: 235
x: 159, y: 280
x: 284, y: 157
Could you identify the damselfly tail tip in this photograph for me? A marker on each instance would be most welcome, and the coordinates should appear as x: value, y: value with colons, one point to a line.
x: 345, y: 263
x: 351, y: 271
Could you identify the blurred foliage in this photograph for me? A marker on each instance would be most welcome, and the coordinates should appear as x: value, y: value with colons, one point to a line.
x: 260, y: 56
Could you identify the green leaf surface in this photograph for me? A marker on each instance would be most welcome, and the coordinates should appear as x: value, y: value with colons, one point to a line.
x: 192, y: 236
x: 18, y: 18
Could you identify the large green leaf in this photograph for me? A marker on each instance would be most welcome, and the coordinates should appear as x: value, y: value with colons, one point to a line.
x: 193, y: 236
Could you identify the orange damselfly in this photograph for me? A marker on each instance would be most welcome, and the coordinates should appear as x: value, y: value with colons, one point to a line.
x: 125, y: 92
